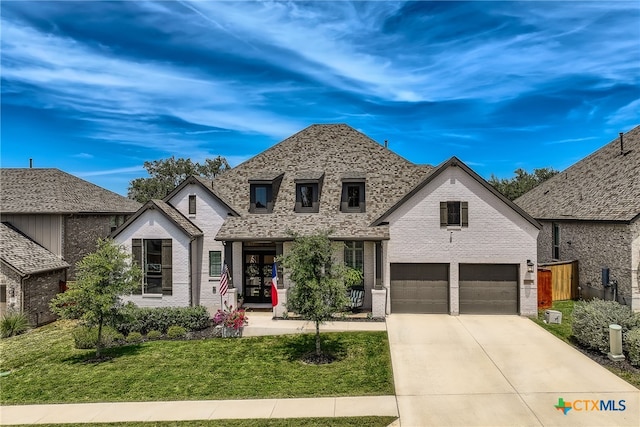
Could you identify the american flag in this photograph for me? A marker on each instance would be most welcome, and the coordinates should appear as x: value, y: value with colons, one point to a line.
x: 224, y: 280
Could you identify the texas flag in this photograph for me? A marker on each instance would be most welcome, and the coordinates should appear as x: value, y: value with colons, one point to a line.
x: 274, y: 285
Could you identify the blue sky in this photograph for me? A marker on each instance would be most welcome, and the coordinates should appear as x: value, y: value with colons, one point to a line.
x: 96, y: 88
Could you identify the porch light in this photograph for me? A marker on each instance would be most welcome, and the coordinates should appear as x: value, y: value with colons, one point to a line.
x: 530, y: 266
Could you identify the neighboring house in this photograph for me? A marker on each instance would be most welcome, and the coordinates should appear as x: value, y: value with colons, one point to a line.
x: 60, y: 212
x: 428, y: 240
x: 30, y: 276
x: 591, y: 213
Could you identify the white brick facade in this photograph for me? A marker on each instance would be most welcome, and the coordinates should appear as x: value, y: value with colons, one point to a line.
x: 496, y: 234
x: 153, y: 225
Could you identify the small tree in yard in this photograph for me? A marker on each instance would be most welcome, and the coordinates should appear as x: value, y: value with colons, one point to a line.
x: 102, y: 277
x: 320, y: 285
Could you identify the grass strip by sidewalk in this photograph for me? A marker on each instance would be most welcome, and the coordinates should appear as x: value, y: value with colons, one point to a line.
x: 272, y: 422
x: 46, y: 368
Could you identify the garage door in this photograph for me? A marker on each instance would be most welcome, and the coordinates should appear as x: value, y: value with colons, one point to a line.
x: 419, y: 288
x: 488, y: 288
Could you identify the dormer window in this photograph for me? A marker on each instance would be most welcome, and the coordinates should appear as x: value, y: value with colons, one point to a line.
x: 263, y: 192
x: 353, y: 195
x: 308, y: 186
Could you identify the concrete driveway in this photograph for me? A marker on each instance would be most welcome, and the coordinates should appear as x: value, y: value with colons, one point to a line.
x: 499, y: 371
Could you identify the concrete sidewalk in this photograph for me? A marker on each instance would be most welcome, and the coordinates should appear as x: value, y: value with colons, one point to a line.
x: 262, y: 323
x: 199, y: 410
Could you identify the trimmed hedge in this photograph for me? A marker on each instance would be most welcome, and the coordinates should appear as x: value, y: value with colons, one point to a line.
x: 144, y: 320
x: 633, y: 346
x: 591, y: 320
x: 175, y: 332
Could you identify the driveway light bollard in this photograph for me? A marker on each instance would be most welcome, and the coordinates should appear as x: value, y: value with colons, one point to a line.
x: 615, y: 343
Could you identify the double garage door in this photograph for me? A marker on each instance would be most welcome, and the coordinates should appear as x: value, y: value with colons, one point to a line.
x: 483, y: 288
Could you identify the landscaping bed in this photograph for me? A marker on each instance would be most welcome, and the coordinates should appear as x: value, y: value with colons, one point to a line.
x: 624, y: 369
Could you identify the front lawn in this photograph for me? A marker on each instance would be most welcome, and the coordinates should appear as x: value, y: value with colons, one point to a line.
x: 564, y: 331
x: 46, y: 368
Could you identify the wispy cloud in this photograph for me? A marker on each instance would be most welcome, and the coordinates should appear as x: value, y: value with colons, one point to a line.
x: 118, y: 171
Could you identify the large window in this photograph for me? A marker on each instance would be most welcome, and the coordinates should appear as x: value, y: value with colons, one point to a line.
x: 354, y: 255
x: 454, y: 214
x: 154, y: 256
x: 555, y: 237
x: 353, y: 197
x: 215, y: 263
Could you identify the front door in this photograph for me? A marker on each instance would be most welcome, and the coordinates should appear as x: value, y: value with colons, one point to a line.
x: 257, y: 275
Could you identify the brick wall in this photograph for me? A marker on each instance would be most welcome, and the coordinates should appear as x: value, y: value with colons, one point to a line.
x: 596, y: 246
x: 80, y: 235
x: 38, y: 291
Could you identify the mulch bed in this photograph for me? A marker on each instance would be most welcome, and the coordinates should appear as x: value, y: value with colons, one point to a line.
x: 603, y: 360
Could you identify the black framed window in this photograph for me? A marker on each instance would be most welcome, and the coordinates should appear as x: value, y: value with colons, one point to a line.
x: 555, y: 237
x: 354, y: 255
x: 155, y: 257
x: 454, y: 214
x: 261, y: 198
x: 307, y: 195
x: 353, y: 197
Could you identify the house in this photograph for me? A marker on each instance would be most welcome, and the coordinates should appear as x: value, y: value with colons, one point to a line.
x: 591, y: 213
x: 30, y: 275
x: 428, y: 240
x: 60, y: 214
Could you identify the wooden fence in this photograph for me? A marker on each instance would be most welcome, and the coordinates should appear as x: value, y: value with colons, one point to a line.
x: 564, y: 279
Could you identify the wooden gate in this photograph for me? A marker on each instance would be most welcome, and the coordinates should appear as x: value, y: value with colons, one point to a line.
x: 545, y: 287
x: 564, y: 279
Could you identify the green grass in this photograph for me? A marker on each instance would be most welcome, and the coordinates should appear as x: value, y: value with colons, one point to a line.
x: 46, y: 368
x: 564, y: 332
x: 274, y: 422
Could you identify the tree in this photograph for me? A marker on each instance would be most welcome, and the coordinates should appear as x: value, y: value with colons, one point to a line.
x: 524, y: 181
x: 168, y: 173
x: 102, y: 277
x: 320, y: 285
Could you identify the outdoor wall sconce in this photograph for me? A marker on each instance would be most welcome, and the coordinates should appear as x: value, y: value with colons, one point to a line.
x: 530, y: 266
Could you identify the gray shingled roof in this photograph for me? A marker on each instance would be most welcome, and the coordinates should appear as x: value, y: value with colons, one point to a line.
x: 24, y: 255
x: 182, y: 222
x: 52, y: 191
x: 335, y: 150
x: 604, y: 186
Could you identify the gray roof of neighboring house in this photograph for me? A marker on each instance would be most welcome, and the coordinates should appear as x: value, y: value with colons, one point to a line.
x: 182, y: 222
x: 24, y: 255
x: 604, y: 186
x: 336, y: 151
x: 52, y: 191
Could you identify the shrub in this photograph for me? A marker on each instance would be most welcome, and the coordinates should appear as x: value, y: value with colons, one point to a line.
x: 591, y: 322
x: 633, y: 346
x: 154, y: 335
x: 175, y: 332
x: 134, y: 337
x: 13, y: 323
x: 86, y: 337
x: 143, y: 320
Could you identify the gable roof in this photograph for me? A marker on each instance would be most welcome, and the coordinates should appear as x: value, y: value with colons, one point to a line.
x: 171, y: 213
x: 204, y: 183
x: 455, y: 162
x: 604, y: 186
x: 52, y: 191
x: 24, y: 255
x: 334, y: 150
